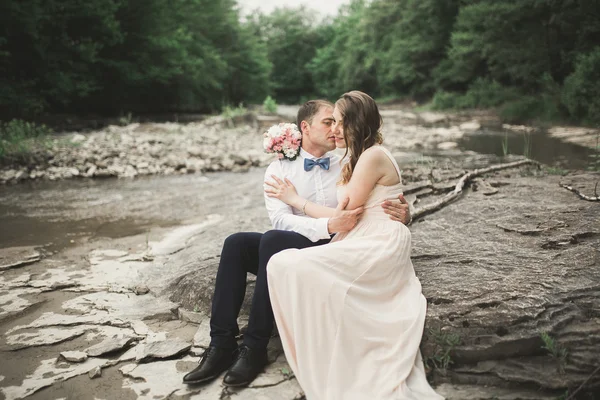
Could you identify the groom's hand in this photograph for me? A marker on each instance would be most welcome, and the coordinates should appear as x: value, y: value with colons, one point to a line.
x: 398, y: 211
x: 344, y: 220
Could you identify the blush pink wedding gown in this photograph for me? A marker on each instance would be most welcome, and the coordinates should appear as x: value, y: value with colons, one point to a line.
x: 350, y: 314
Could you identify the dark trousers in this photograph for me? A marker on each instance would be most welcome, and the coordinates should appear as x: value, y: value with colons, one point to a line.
x: 242, y: 253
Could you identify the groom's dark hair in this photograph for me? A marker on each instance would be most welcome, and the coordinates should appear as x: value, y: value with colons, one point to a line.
x: 308, y: 111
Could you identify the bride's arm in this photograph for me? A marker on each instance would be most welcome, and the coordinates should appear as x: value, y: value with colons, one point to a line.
x: 286, y: 192
x: 369, y: 169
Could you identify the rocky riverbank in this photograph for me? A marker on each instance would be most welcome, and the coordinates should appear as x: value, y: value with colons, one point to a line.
x: 234, y: 144
x: 215, y: 144
x: 510, y: 271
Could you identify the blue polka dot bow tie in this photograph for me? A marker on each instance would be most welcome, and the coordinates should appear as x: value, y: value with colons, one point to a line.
x: 321, y: 162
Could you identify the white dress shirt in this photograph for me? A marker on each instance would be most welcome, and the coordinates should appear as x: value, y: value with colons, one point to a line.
x: 316, y: 185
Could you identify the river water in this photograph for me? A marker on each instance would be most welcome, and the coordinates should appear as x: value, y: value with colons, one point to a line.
x: 58, y: 214
x: 55, y: 214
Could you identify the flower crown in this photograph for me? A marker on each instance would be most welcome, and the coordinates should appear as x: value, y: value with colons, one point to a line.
x: 283, y: 139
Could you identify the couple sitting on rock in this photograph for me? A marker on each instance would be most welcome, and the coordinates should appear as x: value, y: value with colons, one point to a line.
x: 334, y: 273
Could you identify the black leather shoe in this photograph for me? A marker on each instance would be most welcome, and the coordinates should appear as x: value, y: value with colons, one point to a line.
x: 248, y: 364
x: 215, y: 360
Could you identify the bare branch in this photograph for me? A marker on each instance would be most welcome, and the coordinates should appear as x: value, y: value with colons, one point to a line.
x: 450, y: 197
x: 581, y: 195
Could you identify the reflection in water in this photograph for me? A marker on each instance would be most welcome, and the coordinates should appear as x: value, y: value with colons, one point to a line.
x: 21, y: 230
x: 53, y: 214
x: 536, y: 145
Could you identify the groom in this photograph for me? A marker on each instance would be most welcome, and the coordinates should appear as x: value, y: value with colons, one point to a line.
x: 314, y: 173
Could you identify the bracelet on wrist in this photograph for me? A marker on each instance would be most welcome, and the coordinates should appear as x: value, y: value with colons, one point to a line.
x: 304, y: 207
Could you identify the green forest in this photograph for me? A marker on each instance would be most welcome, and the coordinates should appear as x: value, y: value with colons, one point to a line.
x: 531, y: 59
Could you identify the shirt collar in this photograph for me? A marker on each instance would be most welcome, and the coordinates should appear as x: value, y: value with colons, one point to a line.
x: 306, y: 154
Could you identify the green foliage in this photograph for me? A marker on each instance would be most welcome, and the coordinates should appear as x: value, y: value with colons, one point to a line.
x: 412, y: 39
x: 230, y: 112
x: 139, y: 55
x: 126, y: 119
x: 556, y: 171
x: 445, y: 342
x: 505, y: 145
x: 270, y: 105
x: 532, y: 59
x: 291, y: 38
x: 481, y: 93
x: 19, y: 138
x: 581, y: 92
x: 555, y: 349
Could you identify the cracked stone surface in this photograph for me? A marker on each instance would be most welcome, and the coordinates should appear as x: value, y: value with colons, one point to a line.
x: 48, y: 373
x: 13, y: 303
x: 44, y: 337
x: 159, y: 379
x: 202, y: 336
x: 163, y: 349
x: 109, y: 345
x: 514, y: 256
x: 474, y: 392
x: 95, y: 373
x: 15, y: 257
x: 74, y: 356
x: 496, y: 270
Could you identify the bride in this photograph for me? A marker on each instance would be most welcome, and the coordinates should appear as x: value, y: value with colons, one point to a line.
x: 351, y: 313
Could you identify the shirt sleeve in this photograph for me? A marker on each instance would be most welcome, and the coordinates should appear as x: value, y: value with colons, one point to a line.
x: 283, y: 218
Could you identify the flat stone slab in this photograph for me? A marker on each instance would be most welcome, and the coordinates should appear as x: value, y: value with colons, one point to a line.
x: 95, y: 373
x: 44, y: 337
x: 202, y: 336
x: 50, y: 372
x: 164, y: 349
x: 158, y: 380
x: 15, y: 257
x: 74, y: 356
x: 473, y: 392
x: 13, y: 303
x: 109, y: 345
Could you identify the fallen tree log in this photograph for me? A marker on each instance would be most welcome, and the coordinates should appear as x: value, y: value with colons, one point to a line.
x: 458, y: 188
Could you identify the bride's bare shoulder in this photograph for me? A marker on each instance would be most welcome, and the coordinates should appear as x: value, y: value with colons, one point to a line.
x: 374, y: 154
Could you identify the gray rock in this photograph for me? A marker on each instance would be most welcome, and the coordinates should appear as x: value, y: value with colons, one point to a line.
x: 195, y: 151
x: 191, y: 316
x: 447, y: 145
x: 116, y: 170
x: 15, y: 257
x: 91, y: 171
x: 202, y: 336
x: 104, y: 173
x: 141, y: 289
x: 21, y: 175
x: 74, y: 356
x: 10, y: 174
x: 163, y: 349
x: 496, y: 270
x: 470, y: 126
x: 95, y: 373
x: 109, y: 345
x: 433, y: 118
x: 78, y: 138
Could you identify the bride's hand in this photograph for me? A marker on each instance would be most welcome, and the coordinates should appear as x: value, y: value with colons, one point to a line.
x: 282, y: 190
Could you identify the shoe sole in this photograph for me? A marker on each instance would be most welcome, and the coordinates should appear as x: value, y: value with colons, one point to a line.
x: 236, y: 384
x: 208, y: 379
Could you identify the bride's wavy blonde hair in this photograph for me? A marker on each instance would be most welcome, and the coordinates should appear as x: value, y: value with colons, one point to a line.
x: 362, y: 127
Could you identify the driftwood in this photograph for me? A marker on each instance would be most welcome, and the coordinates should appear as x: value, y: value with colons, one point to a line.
x: 450, y: 197
x: 572, y: 396
x: 581, y: 195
